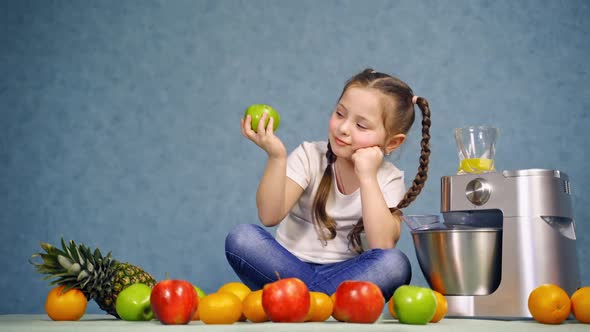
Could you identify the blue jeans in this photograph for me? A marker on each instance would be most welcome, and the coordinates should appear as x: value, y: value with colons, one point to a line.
x: 256, y: 257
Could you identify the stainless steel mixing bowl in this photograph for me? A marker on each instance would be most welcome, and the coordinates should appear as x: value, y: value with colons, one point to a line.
x: 460, y: 260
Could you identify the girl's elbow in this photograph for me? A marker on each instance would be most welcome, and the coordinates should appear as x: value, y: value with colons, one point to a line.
x: 384, y: 244
x: 395, y: 240
x: 268, y: 221
x: 387, y: 245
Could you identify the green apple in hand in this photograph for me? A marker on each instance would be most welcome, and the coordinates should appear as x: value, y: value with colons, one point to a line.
x: 256, y: 110
x: 133, y: 303
x: 413, y: 304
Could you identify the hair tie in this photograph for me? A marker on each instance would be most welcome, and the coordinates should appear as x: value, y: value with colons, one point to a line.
x: 415, y: 100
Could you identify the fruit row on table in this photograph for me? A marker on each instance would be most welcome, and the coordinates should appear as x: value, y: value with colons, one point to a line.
x: 286, y: 300
x: 289, y: 300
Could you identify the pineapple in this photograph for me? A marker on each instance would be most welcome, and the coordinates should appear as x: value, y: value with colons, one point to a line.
x: 99, y: 277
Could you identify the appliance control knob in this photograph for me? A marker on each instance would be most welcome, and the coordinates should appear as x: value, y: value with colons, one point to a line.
x: 478, y: 191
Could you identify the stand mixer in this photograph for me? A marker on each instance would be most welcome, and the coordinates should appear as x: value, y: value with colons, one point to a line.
x: 504, y: 234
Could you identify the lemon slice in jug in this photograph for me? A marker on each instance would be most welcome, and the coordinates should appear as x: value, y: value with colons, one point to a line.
x: 476, y: 165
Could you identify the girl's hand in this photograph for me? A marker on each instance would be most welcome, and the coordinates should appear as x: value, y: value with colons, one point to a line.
x: 367, y: 161
x: 264, y: 137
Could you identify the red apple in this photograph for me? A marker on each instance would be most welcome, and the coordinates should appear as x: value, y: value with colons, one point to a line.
x: 174, y: 301
x: 286, y: 300
x: 358, y: 302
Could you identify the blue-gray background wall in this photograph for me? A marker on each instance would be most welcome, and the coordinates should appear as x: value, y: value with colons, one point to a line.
x: 119, y: 123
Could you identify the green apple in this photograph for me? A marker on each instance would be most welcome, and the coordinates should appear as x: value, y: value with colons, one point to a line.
x: 133, y: 303
x: 256, y: 110
x: 200, y: 295
x: 413, y: 304
x: 200, y: 292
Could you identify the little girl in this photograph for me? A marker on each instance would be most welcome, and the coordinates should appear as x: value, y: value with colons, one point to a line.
x: 336, y: 203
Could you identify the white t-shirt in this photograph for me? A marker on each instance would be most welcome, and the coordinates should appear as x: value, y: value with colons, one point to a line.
x: 306, y: 166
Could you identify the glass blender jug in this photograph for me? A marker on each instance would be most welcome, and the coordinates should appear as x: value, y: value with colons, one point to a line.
x: 476, y: 147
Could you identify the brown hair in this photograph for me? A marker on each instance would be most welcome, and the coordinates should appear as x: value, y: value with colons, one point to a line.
x: 398, y: 117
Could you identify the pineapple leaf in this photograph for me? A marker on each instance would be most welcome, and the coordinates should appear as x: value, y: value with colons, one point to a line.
x: 80, y: 257
x: 82, y: 275
x: 33, y: 257
x: 74, y: 251
x: 92, y: 261
x: 48, y: 248
x: 64, y: 262
x: 97, y: 255
x: 63, y: 245
x: 92, y: 258
x: 48, y: 260
x: 68, y: 252
x: 57, y: 275
x: 75, y: 268
x: 69, y: 280
x: 83, y: 285
x: 51, y: 250
x: 47, y: 270
x: 87, y: 254
x: 67, y: 288
x: 62, y: 281
x: 89, y: 266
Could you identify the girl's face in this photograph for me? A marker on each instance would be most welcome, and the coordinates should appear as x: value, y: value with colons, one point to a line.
x: 357, y: 122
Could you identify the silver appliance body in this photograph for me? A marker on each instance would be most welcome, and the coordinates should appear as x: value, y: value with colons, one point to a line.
x: 538, y: 243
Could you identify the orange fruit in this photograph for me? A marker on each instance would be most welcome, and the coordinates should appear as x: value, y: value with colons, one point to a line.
x: 581, y: 304
x: 549, y: 304
x: 252, y: 307
x: 390, y: 308
x: 238, y: 289
x: 336, y: 317
x: 441, y: 307
x: 70, y: 305
x: 320, y: 308
x: 220, y: 308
